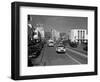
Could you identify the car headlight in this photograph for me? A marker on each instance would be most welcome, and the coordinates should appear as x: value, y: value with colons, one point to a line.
x: 64, y: 49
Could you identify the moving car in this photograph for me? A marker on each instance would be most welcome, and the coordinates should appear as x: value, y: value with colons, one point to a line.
x: 50, y: 43
x: 61, y: 49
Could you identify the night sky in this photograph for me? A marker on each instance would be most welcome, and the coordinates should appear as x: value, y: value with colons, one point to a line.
x: 60, y: 23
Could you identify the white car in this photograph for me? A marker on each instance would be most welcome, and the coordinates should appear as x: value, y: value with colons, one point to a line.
x: 51, y: 44
x: 61, y: 49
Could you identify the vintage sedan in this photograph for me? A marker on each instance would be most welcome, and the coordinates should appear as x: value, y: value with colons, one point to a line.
x: 61, y: 49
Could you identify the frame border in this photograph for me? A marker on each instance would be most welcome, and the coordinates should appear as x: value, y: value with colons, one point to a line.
x: 15, y: 40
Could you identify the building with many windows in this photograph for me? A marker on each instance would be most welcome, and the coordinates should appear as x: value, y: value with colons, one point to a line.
x: 78, y: 35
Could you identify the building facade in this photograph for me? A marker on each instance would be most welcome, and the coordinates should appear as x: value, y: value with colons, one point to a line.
x: 55, y: 35
x: 41, y: 30
x: 78, y: 35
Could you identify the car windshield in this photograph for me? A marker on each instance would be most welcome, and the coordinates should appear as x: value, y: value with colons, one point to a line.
x: 61, y: 46
x: 51, y: 42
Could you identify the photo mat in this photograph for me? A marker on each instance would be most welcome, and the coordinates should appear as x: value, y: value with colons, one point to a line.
x: 38, y: 68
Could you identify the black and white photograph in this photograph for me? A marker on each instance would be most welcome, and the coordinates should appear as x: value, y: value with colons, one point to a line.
x: 53, y: 40
x: 57, y: 40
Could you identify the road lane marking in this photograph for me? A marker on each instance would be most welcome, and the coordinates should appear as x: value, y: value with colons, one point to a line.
x: 73, y: 58
x: 77, y: 52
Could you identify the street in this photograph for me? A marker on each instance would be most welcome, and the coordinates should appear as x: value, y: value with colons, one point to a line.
x: 49, y: 56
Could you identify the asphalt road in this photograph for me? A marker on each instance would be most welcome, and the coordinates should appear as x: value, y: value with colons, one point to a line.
x: 71, y: 57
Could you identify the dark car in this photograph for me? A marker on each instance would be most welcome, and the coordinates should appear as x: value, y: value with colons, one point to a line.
x: 34, y: 50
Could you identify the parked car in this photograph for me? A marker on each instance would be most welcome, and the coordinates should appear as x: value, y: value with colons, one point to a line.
x: 34, y: 50
x: 85, y: 48
x: 73, y: 44
x: 61, y: 49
